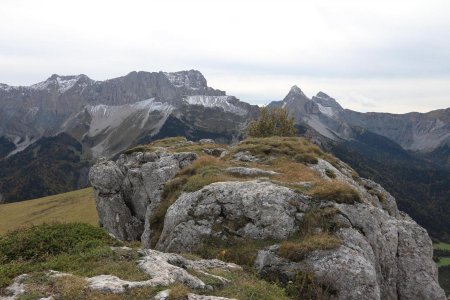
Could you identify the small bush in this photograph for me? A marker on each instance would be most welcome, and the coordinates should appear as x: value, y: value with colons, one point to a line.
x: 296, y: 250
x: 42, y: 241
x: 335, y: 190
x: 272, y: 122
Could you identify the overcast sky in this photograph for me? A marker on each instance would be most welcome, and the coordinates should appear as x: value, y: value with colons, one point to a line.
x: 389, y: 56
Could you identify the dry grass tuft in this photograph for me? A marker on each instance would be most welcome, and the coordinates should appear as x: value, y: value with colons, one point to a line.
x: 70, y: 288
x: 179, y: 292
x: 335, y: 190
x: 293, y: 172
x: 296, y: 250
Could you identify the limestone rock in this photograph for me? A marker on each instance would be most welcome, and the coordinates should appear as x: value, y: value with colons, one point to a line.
x: 16, y: 288
x: 251, y: 209
x: 165, y: 295
x: 217, y: 152
x: 381, y: 257
x: 245, y: 156
x: 206, y: 141
x: 128, y: 190
x: 167, y: 268
x: 243, y: 171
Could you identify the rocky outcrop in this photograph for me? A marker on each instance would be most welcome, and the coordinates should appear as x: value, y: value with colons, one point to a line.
x: 251, y: 209
x: 127, y: 191
x: 382, y: 254
x: 164, y: 269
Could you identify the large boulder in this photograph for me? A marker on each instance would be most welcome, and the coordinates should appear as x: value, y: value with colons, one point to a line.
x: 128, y: 190
x: 381, y: 257
x: 249, y: 209
x: 383, y: 254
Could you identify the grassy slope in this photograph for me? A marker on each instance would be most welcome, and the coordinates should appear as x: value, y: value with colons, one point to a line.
x: 444, y: 266
x: 76, y: 206
x: 441, y: 246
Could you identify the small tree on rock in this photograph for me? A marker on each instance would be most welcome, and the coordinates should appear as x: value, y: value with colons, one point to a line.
x: 272, y: 122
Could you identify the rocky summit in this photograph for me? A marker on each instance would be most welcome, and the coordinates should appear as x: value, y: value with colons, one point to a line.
x: 295, y: 214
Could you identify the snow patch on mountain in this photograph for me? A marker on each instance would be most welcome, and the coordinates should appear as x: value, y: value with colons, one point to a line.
x: 6, y: 87
x: 193, y: 80
x: 62, y: 83
x: 21, y: 144
x: 328, y: 111
x: 216, y: 101
x: 106, y: 117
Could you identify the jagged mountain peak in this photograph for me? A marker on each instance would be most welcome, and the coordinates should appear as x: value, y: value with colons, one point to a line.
x: 61, y: 82
x: 295, y: 95
x: 296, y: 90
x: 322, y: 95
x: 326, y: 101
x: 190, y: 79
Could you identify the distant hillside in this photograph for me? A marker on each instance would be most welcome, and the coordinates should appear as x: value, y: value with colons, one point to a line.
x: 50, y: 166
x: 76, y: 206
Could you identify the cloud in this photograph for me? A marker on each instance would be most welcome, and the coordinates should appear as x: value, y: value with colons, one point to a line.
x: 259, y: 47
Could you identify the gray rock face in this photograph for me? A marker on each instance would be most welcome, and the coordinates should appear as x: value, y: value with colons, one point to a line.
x: 252, y: 209
x: 384, y: 253
x: 127, y: 191
x: 381, y: 257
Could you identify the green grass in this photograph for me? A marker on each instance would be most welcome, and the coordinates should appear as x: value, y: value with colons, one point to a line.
x: 76, y: 206
x: 443, y: 261
x: 77, y: 248
x: 246, y: 286
x: 441, y: 246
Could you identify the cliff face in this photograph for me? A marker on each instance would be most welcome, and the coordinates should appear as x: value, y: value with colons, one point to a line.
x: 301, y: 211
x: 97, y: 112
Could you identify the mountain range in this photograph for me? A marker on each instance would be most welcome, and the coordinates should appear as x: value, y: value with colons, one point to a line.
x: 50, y: 132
